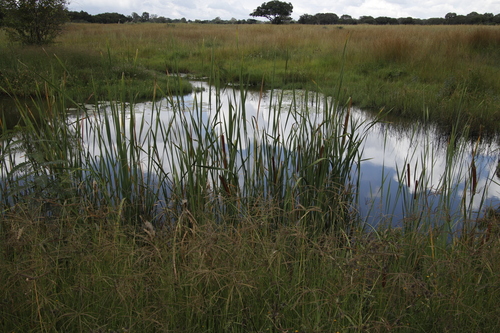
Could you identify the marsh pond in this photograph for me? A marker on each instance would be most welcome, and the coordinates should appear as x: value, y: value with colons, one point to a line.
x: 271, y: 145
x: 402, y: 170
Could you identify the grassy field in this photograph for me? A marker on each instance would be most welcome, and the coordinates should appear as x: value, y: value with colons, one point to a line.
x: 98, y: 235
x: 420, y: 72
x: 84, y: 274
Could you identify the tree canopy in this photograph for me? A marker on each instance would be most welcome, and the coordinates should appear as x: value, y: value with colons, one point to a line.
x: 319, y: 18
x: 278, y: 12
x: 35, y: 22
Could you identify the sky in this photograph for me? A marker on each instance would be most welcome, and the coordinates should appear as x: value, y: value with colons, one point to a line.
x: 227, y: 9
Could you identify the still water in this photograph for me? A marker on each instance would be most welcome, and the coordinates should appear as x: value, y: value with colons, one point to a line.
x: 405, y: 168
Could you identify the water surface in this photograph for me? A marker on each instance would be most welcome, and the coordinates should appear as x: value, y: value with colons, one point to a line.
x: 405, y: 169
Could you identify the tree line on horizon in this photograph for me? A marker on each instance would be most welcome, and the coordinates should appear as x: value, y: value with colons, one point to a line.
x: 316, y: 19
x: 145, y: 17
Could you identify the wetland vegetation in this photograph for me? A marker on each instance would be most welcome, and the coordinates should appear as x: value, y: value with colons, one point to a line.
x: 252, y: 226
x: 428, y: 72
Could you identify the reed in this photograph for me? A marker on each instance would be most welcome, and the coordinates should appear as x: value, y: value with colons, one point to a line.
x: 301, y: 158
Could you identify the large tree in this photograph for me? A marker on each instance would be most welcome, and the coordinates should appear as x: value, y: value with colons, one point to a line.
x: 34, y: 22
x: 276, y: 11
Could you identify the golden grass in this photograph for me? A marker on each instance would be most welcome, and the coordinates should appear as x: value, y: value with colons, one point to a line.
x: 321, y: 38
x: 67, y: 276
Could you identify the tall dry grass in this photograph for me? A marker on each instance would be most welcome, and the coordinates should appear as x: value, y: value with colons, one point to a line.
x: 67, y: 274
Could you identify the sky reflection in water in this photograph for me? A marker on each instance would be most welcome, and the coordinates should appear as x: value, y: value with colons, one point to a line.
x: 389, y: 151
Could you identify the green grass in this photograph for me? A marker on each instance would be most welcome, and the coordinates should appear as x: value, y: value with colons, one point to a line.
x: 410, y: 70
x: 85, y: 75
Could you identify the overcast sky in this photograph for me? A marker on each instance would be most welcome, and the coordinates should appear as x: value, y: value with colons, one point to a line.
x: 227, y: 9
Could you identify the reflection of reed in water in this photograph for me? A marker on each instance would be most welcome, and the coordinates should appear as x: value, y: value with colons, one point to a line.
x: 497, y: 171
